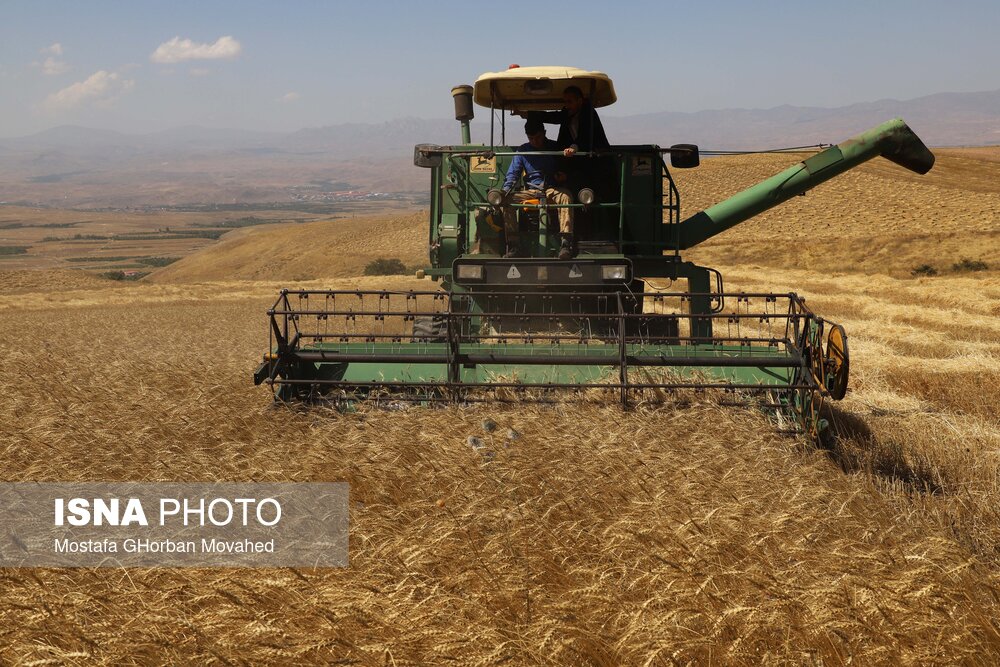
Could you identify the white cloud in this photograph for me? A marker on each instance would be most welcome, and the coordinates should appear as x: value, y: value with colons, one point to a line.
x: 52, y: 65
x: 289, y: 97
x: 100, y: 88
x: 177, y: 50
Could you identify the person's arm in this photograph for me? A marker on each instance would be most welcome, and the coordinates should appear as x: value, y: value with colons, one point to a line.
x: 513, y: 172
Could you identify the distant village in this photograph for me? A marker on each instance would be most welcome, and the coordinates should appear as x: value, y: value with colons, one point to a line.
x: 346, y: 195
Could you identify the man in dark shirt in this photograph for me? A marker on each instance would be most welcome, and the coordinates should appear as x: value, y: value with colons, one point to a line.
x: 542, y: 178
x: 580, y: 129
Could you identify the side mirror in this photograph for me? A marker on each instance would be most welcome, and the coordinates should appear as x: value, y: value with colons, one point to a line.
x: 423, y: 158
x: 684, y: 156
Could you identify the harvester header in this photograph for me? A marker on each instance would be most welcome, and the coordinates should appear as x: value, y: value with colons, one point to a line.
x: 520, y: 315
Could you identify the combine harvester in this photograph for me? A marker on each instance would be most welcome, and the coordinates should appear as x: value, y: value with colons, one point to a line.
x: 533, y: 327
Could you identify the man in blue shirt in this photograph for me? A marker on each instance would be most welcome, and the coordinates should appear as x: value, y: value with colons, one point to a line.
x: 542, y: 178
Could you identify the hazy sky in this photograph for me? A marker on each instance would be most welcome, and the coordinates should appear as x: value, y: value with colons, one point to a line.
x: 145, y: 66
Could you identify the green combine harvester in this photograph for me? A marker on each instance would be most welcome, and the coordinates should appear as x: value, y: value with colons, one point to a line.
x: 534, y: 327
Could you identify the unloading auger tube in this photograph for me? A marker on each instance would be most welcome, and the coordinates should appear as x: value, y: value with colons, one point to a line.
x: 539, y: 329
x: 893, y: 140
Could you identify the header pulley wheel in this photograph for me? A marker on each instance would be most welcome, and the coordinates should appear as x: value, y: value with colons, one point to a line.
x: 838, y: 362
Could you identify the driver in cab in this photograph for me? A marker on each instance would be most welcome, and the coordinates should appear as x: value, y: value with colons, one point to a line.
x: 542, y: 177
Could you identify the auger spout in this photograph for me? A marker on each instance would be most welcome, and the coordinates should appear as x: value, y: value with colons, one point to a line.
x: 893, y: 140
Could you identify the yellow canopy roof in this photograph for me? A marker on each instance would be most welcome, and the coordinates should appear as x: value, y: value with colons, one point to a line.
x: 540, y: 88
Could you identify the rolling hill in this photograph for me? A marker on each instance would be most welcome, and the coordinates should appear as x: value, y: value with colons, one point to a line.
x: 330, y: 248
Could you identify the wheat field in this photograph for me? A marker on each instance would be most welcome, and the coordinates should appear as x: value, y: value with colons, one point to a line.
x: 690, y: 533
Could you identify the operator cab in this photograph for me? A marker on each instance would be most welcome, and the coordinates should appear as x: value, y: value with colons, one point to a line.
x: 626, y: 206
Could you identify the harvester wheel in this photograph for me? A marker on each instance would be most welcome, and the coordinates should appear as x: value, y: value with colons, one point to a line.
x: 837, y: 362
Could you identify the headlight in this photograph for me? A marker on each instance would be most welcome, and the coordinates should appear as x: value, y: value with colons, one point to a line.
x: 614, y: 271
x: 494, y: 197
x: 585, y: 196
x: 469, y: 272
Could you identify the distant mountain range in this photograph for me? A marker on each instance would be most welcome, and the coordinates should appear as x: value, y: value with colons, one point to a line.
x: 386, y: 139
x: 945, y: 119
x: 258, y: 165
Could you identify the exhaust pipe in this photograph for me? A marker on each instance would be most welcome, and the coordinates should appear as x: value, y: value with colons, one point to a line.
x: 463, y: 110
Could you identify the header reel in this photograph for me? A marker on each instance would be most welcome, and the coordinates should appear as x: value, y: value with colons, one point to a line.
x: 632, y: 347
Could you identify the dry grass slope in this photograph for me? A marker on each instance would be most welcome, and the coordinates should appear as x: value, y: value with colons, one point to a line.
x: 327, y: 249
x: 686, y: 534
